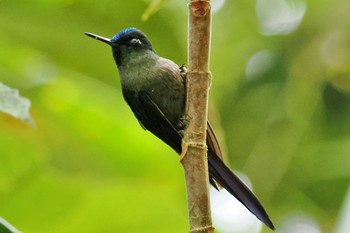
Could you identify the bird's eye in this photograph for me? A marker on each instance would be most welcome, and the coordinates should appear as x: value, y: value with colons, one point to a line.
x: 135, y: 41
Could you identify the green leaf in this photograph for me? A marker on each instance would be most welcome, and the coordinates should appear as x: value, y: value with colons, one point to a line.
x: 153, y: 7
x: 6, y: 227
x: 13, y: 104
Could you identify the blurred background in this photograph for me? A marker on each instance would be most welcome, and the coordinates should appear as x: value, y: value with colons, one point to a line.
x: 280, y: 102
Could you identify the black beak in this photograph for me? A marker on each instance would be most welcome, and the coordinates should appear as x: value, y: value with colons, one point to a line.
x: 100, y: 38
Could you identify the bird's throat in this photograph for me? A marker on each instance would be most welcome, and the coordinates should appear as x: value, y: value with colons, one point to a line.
x: 138, y: 70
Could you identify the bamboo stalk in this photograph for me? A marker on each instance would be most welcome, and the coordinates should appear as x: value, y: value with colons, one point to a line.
x: 194, y: 158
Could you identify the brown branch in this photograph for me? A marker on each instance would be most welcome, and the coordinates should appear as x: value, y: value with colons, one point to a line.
x: 194, y: 158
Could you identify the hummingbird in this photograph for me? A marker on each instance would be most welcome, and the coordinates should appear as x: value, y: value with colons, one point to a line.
x: 155, y: 89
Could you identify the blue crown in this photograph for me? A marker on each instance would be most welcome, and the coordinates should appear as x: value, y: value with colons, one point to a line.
x: 122, y: 33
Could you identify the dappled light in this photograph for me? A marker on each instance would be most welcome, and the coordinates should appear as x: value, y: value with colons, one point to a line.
x: 343, y: 224
x: 229, y: 215
x: 279, y: 16
x: 299, y: 223
x: 217, y: 5
x: 259, y: 64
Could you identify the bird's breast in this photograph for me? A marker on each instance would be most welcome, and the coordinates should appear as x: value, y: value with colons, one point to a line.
x: 162, y: 81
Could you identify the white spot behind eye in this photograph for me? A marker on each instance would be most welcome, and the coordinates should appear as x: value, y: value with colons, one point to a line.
x: 135, y: 41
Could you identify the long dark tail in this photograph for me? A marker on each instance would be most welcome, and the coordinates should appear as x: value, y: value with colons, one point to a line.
x: 227, y: 179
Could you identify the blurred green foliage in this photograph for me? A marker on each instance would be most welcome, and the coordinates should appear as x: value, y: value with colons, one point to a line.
x: 89, y: 167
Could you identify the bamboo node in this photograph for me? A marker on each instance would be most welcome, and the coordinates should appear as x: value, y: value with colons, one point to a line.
x: 200, y: 8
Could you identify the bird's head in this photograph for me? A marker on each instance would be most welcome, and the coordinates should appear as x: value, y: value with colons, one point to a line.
x: 127, y: 42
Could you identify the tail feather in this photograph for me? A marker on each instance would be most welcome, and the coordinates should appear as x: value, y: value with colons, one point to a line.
x: 227, y: 179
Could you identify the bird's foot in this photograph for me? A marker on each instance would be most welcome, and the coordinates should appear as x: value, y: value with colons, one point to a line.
x: 183, y: 69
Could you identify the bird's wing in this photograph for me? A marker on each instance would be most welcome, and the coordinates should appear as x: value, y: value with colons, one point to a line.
x: 152, y: 118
